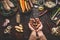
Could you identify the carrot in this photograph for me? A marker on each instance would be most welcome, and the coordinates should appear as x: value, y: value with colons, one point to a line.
x: 26, y: 6
x: 22, y: 3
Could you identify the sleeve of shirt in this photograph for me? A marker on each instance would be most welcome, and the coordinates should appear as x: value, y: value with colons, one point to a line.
x: 30, y: 26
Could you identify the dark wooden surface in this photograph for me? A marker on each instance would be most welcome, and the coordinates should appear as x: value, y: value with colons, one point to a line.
x: 47, y: 23
x: 25, y: 35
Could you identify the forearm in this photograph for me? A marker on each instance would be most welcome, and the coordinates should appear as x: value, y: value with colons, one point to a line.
x: 40, y: 28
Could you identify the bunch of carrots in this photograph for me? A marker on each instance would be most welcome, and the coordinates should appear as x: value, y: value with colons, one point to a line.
x: 24, y: 5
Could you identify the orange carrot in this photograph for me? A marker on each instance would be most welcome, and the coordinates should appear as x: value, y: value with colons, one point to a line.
x: 22, y: 3
x: 26, y: 6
